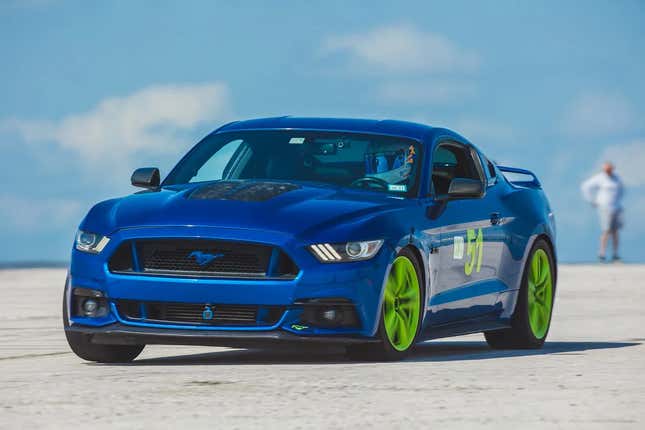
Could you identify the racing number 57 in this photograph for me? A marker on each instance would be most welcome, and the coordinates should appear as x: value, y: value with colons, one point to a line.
x: 474, y: 250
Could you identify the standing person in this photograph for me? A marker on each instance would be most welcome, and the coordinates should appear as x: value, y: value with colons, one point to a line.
x: 605, y: 192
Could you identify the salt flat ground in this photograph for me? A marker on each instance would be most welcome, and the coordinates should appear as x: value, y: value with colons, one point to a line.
x: 591, y: 373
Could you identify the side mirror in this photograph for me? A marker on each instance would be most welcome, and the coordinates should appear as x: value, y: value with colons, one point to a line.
x: 463, y: 188
x: 146, y: 177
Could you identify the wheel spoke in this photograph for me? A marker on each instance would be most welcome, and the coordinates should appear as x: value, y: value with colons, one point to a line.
x: 399, y: 278
x: 396, y: 337
x: 390, y: 319
x: 405, y: 315
x: 389, y: 296
x: 533, y: 313
x: 532, y: 287
x: 403, y: 331
x: 544, y: 273
x: 410, y: 293
x: 542, y: 316
x: 539, y: 295
x: 535, y: 270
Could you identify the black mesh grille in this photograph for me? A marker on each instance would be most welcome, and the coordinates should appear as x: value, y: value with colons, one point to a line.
x: 121, y: 260
x: 200, y: 314
x: 202, y: 258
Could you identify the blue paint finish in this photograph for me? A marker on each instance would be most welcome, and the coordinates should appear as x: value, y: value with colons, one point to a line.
x: 135, y: 256
x: 318, y: 213
x: 273, y: 262
x: 468, y: 291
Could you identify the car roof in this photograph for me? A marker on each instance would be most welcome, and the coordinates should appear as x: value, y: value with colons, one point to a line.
x: 411, y: 130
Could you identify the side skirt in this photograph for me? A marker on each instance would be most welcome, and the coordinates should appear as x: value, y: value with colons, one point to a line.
x: 469, y: 326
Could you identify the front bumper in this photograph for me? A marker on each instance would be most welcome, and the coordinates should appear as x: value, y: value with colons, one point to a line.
x: 360, y: 283
x: 121, y: 334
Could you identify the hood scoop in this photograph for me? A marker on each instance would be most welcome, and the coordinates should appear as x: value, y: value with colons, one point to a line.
x: 241, y: 190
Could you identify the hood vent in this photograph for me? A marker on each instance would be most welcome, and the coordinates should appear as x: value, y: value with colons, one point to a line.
x: 242, y: 191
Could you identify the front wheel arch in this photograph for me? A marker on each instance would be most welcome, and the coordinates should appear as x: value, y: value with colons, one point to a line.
x: 386, y: 348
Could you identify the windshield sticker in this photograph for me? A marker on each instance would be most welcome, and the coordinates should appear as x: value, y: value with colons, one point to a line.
x: 394, y: 187
x: 296, y: 141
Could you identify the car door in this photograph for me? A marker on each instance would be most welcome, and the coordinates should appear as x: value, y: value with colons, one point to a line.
x: 469, y: 252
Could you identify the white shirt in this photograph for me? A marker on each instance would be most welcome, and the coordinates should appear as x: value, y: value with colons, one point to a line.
x: 603, y: 190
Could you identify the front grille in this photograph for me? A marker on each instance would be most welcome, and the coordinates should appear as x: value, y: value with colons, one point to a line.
x: 200, y: 314
x: 184, y: 256
x: 202, y: 258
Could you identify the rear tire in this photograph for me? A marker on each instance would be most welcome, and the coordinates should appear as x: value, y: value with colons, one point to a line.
x: 82, y: 346
x: 531, y: 320
x: 401, y: 313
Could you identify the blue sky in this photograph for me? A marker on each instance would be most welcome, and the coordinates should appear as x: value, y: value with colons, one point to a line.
x: 90, y: 90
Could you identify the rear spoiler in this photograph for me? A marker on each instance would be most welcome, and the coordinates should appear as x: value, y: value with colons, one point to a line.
x: 532, y: 183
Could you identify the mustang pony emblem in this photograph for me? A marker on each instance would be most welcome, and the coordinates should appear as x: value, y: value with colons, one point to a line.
x: 203, y: 258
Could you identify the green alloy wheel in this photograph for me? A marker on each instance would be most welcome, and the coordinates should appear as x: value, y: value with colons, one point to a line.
x: 400, y: 314
x: 540, y: 294
x: 401, y: 304
x: 532, y: 317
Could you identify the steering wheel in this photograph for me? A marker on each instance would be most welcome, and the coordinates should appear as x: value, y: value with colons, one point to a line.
x: 367, y: 181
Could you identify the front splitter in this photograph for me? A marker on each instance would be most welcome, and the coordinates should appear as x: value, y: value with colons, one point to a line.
x: 121, y: 334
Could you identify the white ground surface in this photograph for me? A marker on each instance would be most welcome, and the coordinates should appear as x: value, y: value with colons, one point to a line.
x: 591, y: 373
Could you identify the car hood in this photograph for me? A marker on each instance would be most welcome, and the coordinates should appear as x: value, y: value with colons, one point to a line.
x: 287, y: 207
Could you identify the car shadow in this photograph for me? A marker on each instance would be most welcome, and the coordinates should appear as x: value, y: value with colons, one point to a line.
x: 434, y: 351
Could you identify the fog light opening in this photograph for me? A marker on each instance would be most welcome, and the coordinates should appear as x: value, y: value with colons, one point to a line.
x: 332, y: 315
x: 90, y: 306
x: 328, y: 313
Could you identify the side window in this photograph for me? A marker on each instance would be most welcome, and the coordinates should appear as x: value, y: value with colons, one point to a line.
x: 489, y: 168
x: 215, y: 167
x: 453, y: 160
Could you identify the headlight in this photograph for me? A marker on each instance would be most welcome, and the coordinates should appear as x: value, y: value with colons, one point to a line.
x: 343, y: 252
x: 90, y: 242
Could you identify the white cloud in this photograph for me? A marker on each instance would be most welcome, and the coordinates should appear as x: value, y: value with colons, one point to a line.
x: 485, y: 133
x: 33, y: 215
x: 118, y: 127
x: 598, y: 114
x: 477, y: 130
x: 629, y: 159
x: 401, y: 48
x: 425, y: 92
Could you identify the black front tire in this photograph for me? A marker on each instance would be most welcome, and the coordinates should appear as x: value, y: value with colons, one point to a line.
x: 82, y: 346
x: 520, y: 335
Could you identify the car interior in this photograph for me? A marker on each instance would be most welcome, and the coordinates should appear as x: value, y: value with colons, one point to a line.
x: 451, y: 161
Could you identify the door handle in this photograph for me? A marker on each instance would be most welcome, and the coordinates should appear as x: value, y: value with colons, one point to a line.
x: 495, y: 218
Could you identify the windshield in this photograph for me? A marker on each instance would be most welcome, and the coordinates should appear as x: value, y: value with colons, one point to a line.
x: 374, y: 162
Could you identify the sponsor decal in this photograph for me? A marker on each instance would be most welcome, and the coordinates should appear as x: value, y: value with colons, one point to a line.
x: 296, y: 141
x: 458, y: 247
x: 474, y: 250
x: 299, y: 327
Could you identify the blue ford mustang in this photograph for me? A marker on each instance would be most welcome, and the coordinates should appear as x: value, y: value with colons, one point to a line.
x: 371, y: 234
